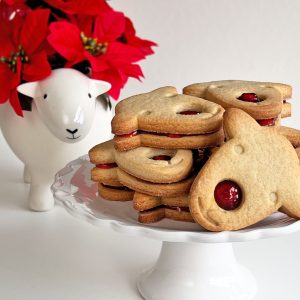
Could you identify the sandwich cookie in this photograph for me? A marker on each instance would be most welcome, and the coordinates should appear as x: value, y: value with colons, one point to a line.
x: 167, y: 120
x: 252, y: 175
x: 153, y: 209
x: 264, y: 101
x: 105, y: 173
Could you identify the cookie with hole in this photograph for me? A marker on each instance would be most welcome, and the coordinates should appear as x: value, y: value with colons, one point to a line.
x: 170, y: 119
x: 149, y: 164
x: 255, y: 173
x: 169, y: 141
x: 264, y: 101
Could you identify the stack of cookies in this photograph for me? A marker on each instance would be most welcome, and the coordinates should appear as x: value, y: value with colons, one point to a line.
x: 161, y: 140
x: 266, y: 102
x: 181, y: 157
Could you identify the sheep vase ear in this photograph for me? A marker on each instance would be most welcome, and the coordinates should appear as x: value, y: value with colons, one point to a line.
x: 30, y: 89
x: 99, y: 87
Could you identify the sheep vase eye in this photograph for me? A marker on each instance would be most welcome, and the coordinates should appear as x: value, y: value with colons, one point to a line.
x: 89, y: 94
x: 45, y: 96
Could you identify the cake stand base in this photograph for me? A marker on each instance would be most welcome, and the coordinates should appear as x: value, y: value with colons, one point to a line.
x: 193, y: 263
x: 197, y: 271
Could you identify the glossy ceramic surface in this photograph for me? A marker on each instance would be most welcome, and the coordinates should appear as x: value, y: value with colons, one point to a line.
x: 65, y: 102
x: 193, y: 263
x: 41, y: 139
x: 77, y: 193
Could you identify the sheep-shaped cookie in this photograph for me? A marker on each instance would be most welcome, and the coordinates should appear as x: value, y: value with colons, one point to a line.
x: 255, y: 173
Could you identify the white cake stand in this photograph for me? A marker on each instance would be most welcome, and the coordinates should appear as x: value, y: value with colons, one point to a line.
x: 193, y: 263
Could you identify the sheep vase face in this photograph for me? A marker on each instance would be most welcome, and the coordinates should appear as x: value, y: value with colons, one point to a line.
x: 66, y: 102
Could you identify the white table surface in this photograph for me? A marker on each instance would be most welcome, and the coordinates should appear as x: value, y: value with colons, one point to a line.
x: 56, y: 256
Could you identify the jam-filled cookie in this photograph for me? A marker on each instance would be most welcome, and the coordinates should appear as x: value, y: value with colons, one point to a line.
x: 252, y: 175
x: 105, y: 173
x: 149, y: 164
x: 153, y: 209
x: 165, y: 119
x: 264, y: 101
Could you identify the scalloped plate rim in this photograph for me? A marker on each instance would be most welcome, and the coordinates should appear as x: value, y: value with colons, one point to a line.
x: 165, y: 234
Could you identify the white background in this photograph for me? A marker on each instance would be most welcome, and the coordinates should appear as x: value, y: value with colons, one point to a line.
x: 55, y: 256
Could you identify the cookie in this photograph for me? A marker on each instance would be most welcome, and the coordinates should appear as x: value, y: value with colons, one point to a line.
x: 286, y: 110
x: 115, y: 193
x: 155, y: 189
x: 165, y: 113
x: 252, y: 175
x: 262, y: 100
x: 105, y: 170
x: 149, y: 164
x: 170, y: 141
x: 153, y: 209
x: 298, y: 151
x: 143, y: 202
x: 105, y: 173
x: 292, y: 134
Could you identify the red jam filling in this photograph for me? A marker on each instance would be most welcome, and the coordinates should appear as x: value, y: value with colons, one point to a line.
x: 173, y: 135
x: 189, y: 112
x: 228, y: 195
x: 267, y: 122
x: 161, y: 157
x: 130, y: 134
x: 134, y: 133
x: 120, y: 188
x: 179, y: 208
x: 106, y: 166
x: 249, y: 97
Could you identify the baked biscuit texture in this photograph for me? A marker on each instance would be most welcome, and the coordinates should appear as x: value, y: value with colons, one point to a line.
x: 143, y: 202
x: 102, y: 154
x: 298, y: 151
x: 115, y: 193
x: 155, y: 189
x: 261, y: 162
x: 157, y: 214
x: 175, y: 141
x: 108, y: 176
x: 106, y: 170
x: 161, y: 111
x: 286, y: 110
x: 153, y: 209
x: 156, y: 165
x: 292, y: 134
x: 227, y: 93
x: 149, y: 164
x: 105, y: 173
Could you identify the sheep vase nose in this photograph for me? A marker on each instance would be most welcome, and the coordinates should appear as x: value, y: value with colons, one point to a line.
x: 72, y: 131
x: 72, y: 137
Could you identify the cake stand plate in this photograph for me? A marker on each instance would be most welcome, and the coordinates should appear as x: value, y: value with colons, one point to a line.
x: 193, y: 263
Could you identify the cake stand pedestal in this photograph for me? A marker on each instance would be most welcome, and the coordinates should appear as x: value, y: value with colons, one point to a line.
x: 193, y: 263
x: 197, y: 271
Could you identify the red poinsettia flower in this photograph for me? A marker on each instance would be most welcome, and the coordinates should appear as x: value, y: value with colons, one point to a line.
x: 109, y: 59
x: 91, y: 7
x: 22, y: 57
x: 11, y: 8
x: 129, y: 37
